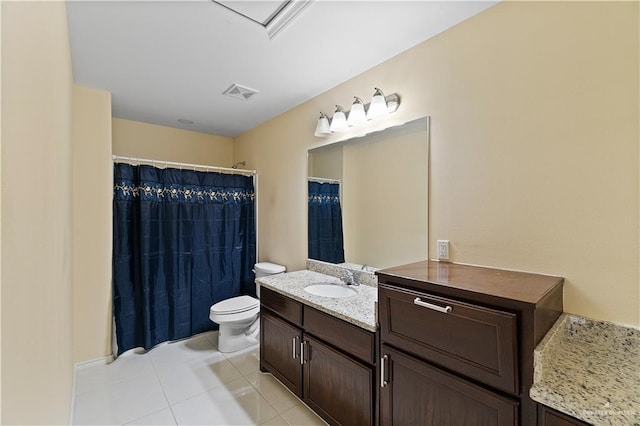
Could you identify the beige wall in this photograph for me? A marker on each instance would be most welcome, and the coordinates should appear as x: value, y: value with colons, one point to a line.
x: 92, y: 223
x: 534, y: 147
x: 136, y: 139
x: 37, y: 349
x: 0, y: 214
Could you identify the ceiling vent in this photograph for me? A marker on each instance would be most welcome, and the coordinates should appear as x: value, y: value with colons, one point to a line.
x: 240, y: 92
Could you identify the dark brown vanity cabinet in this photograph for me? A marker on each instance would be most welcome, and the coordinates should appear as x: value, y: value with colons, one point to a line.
x: 550, y: 417
x: 458, y: 341
x: 325, y: 361
x: 421, y: 394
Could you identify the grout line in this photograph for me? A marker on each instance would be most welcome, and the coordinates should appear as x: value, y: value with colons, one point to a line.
x: 141, y: 417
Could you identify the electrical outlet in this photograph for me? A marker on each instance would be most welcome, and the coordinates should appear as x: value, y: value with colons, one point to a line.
x: 443, y: 249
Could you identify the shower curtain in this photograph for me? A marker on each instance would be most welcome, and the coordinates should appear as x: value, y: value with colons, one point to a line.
x: 325, y: 239
x: 182, y: 241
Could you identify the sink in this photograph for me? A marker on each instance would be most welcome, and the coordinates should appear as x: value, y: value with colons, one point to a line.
x: 330, y: 290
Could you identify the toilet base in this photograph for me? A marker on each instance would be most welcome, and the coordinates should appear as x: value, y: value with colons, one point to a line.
x: 232, y: 339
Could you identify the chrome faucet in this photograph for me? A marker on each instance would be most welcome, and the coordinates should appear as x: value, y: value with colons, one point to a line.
x: 348, y: 278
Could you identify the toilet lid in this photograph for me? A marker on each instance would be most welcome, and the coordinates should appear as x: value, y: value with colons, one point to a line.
x: 235, y: 305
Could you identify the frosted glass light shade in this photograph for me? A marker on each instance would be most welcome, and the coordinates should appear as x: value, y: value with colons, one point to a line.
x: 339, y: 120
x: 378, y: 106
x: 322, y: 128
x: 357, y: 115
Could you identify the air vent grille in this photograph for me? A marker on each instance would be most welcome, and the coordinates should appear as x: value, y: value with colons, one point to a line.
x: 240, y: 92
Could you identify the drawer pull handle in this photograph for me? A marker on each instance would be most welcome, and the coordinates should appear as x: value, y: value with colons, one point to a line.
x: 444, y: 310
x: 302, y: 346
x: 294, y: 345
x: 383, y: 380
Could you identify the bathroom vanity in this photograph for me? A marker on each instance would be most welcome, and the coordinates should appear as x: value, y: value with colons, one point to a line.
x: 323, y: 349
x: 457, y: 343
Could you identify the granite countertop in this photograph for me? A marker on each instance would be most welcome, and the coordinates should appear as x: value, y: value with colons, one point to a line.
x: 359, y: 310
x: 589, y: 370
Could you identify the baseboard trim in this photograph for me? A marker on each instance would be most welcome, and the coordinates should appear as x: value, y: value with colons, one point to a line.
x: 93, y: 362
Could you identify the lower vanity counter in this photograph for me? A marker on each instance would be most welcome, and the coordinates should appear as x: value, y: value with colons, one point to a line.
x: 323, y: 349
x: 359, y: 310
x: 589, y: 370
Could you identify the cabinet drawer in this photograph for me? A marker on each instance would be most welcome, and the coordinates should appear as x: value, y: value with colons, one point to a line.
x: 287, y: 308
x: 348, y: 337
x: 475, y: 341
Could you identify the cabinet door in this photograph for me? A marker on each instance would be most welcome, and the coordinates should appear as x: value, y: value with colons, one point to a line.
x: 336, y: 387
x: 417, y: 393
x: 550, y: 417
x: 280, y: 351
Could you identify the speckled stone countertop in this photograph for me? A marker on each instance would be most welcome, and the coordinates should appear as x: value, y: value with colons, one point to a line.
x: 359, y: 310
x: 589, y: 370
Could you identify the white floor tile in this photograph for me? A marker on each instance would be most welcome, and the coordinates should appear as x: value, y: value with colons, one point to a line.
x: 237, y: 403
x: 166, y: 355
x: 125, y: 367
x: 160, y: 418
x: 121, y: 402
x: 301, y: 415
x: 193, y: 377
x: 273, y: 391
x: 186, y: 382
x: 247, y: 360
x: 276, y: 421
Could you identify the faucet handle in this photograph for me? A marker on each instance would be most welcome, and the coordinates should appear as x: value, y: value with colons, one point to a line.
x: 348, y: 278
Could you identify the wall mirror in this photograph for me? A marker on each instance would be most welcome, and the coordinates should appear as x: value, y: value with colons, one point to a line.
x: 374, y: 191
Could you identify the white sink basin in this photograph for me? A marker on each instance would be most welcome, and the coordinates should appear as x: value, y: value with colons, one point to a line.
x: 330, y: 290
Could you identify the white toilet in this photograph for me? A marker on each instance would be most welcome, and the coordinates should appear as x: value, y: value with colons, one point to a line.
x: 238, y: 317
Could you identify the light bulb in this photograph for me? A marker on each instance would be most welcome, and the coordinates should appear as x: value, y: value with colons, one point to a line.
x: 322, y: 128
x: 339, y: 120
x: 357, y: 115
x: 378, y: 106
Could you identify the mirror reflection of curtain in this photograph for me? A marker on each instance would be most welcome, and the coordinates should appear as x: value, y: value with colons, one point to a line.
x: 182, y: 241
x: 325, y: 237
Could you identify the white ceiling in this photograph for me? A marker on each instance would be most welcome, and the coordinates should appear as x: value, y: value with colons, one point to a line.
x: 168, y: 60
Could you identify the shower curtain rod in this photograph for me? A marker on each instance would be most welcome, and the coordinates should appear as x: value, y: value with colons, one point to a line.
x: 184, y: 165
x: 322, y: 180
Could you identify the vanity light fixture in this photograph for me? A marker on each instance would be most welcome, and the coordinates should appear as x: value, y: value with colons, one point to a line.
x: 380, y: 106
x: 339, y: 120
x: 322, y: 128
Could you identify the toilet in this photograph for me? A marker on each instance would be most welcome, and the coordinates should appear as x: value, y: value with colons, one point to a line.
x: 238, y: 317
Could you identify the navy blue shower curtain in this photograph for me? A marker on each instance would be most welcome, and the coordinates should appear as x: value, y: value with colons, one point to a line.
x: 182, y: 241
x: 325, y: 240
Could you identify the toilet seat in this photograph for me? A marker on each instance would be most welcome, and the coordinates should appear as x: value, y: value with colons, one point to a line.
x: 235, y: 305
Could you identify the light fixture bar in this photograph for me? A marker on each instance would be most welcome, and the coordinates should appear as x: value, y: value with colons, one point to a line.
x: 339, y: 122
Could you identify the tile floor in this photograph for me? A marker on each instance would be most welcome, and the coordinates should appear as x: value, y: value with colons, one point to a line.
x: 186, y: 382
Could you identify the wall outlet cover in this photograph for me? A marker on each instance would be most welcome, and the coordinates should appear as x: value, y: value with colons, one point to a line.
x: 443, y: 249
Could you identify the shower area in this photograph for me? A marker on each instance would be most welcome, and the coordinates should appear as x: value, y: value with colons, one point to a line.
x: 184, y: 238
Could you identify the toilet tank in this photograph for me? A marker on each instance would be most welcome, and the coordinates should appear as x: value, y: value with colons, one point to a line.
x: 264, y: 269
